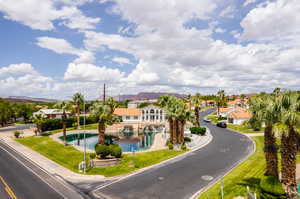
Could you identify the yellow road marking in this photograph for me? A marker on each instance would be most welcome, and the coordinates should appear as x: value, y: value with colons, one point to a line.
x: 8, y: 189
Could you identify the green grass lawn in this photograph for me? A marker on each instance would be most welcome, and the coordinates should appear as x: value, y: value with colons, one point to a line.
x: 250, y: 170
x: 87, y: 127
x: 69, y: 157
x: 242, y: 128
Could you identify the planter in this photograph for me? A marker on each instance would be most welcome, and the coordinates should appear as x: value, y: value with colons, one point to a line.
x: 98, y: 163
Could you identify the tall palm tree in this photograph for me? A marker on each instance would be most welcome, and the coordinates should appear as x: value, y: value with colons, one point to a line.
x: 64, y: 106
x: 183, y: 115
x: 290, y: 117
x: 220, y: 100
x: 105, y: 117
x: 78, y: 101
x: 38, y: 120
x: 243, y: 97
x: 265, y: 110
x: 197, y: 104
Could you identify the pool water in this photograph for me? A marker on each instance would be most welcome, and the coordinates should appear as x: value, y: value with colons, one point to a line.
x: 127, y: 145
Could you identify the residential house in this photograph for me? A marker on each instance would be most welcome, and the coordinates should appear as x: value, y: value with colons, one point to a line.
x: 52, y: 113
x: 238, y: 117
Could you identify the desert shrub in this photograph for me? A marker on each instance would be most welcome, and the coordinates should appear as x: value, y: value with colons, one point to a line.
x: 187, y: 139
x: 92, y: 155
x: 102, y: 150
x: 17, y: 134
x: 271, y: 188
x: 183, y: 147
x: 116, y: 150
x: 198, y: 130
x: 171, y: 146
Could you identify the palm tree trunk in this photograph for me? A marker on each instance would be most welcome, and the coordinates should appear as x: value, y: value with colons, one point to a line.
x: 182, y: 132
x: 101, y: 131
x: 175, y: 127
x: 270, y: 152
x: 78, y: 117
x: 288, y: 153
x: 178, y: 132
x: 65, y: 133
x: 171, y: 130
x: 197, y: 123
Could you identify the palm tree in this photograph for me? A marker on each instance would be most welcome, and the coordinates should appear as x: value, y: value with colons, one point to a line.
x: 38, y: 120
x: 78, y: 101
x: 290, y: 110
x: 64, y: 107
x: 183, y: 115
x: 220, y: 100
x: 105, y: 117
x: 197, y: 104
x: 265, y: 110
x: 243, y: 96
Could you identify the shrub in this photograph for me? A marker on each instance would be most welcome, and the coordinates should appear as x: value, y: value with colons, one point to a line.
x: 17, y: 134
x: 116, y: 150
x: 183, y: 147
x: 187, y: 139
x: 271, y: 188
x: 92, y: 155
x: 198, y: 130
x: 102, y: 150
x: 171, y: 146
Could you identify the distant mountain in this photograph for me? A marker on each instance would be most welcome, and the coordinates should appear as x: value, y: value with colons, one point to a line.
x: 29, y: 99
x: 148, y: 95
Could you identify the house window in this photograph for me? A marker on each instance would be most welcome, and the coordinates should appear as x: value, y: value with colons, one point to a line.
x: 143, y: 118
x: 136, y: 117
x: 127, y: 117
x: 160, y: 118
x: 157, y: 117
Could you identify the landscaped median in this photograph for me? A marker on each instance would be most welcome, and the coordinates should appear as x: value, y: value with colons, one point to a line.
x: 69, y: 157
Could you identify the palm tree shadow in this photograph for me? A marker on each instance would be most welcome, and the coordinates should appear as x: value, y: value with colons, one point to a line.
x: 252, y: 183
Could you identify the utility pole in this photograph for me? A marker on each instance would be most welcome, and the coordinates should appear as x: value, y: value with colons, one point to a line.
x: 104, y: 93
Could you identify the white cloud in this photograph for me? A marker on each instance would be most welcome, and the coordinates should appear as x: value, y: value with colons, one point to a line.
x: 40, y: 14
x: 17, y: 69
x: 275, y: 21
x: 248, y: 2
x: 220, y: 30
x: 121, y: 60
x: 62, y: 46
x: 228, y: 12
x: 90, y: 72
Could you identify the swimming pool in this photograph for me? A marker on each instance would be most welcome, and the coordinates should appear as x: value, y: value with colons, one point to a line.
x: 127, y: 145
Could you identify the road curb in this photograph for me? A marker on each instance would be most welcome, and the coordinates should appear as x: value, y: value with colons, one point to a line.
x: 120, y: 178
x: 198, y: 193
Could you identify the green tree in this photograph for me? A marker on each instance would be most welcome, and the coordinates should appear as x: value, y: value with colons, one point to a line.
x: 220, y: 100
x: 38, y: 120
x: 197, y: 100
x: 290, y: 110
x: 65, y: 107
x: 78, y: 101
x: 105, y: 117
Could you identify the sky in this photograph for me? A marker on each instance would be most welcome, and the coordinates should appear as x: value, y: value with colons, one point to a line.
x: 54, y: 48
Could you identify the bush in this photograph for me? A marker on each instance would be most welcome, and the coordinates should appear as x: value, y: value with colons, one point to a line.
x: 92, y: 155
x: 198, y: 130
x: 187, y: 139
x: 171, y: 146
x: 102, y: 150
x: 183, y: 147
x: 17, y: 134
x: 116, y: 150
x: 271, y: 188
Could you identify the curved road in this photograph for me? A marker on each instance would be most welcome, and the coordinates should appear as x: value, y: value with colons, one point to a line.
x: 183, y: 177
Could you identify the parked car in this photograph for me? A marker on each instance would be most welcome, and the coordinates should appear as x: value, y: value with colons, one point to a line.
x: 222, y: 124
x: 206, y: 120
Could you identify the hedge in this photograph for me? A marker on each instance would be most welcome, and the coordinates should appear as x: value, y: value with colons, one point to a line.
x: 56, y: 123
x: 198, y: 130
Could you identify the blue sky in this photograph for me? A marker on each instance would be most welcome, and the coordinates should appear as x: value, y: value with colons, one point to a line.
x: 54, y: 48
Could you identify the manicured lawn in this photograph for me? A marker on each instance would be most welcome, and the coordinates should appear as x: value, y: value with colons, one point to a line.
x: 249, y: 171
x: 69, y: 157
x: 87, y: 127
x: 242, y: 128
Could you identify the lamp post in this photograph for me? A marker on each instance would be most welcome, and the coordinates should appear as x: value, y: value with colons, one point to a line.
x: 84, y: 136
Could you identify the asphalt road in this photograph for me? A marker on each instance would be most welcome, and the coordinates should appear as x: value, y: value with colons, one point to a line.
x: 22, y: 179
x: 17, y: 127
x: 182, y: 178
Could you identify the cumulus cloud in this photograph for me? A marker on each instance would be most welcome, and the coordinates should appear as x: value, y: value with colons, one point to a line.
x: 93, y: 73
x: 62, y: 46
x: 40, y: 15
x: 17, y: 69
x: 121, y: 60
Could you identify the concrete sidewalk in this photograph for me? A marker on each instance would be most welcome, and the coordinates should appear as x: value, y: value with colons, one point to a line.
x: 46, y: 164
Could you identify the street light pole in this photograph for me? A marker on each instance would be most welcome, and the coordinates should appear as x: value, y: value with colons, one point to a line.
x: 84, y: 120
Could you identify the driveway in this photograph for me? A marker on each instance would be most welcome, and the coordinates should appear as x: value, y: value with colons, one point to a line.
x: 182, y: 178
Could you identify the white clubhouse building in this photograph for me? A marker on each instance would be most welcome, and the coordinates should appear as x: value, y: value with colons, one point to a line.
x: 148, y: 114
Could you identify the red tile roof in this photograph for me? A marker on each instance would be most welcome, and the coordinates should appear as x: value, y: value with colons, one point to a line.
x: 127, y: 112
x: 240, y: 115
